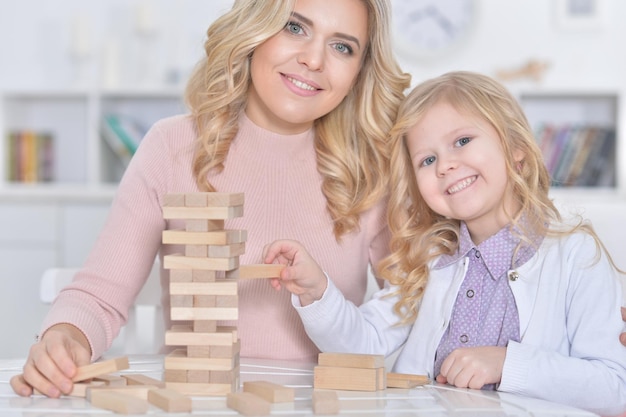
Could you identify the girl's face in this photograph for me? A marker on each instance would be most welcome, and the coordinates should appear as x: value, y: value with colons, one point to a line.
x: 306, y: 70
x: 460, y: 168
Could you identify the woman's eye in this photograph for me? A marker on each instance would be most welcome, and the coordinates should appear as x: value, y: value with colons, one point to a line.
x: 294, y: 27
x: 344, y: 48
x: 428, y: 161
x: 463, y: 141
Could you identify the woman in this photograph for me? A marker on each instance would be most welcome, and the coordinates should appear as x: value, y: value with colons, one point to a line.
x: 290, y: 106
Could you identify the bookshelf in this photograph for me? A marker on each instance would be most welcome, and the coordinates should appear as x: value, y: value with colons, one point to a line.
x: 81, y: 157
x: 579, y: 133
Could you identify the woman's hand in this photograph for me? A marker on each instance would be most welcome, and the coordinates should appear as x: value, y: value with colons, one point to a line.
x: 52, y: 362
x: 302, y: 276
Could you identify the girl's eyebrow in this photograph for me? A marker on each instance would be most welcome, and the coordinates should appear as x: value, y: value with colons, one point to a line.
x: 345, y: 36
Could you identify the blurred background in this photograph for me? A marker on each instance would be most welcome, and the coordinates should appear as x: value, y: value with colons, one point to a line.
x: 81, y: 82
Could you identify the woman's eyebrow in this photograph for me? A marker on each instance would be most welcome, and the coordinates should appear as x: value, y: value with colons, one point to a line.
x: 309, y: 22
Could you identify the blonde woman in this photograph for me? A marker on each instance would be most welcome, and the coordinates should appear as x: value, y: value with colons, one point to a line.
x: 291, y: 106
x: 489, y: 288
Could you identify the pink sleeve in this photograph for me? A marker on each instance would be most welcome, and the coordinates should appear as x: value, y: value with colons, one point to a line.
x: 98, y: 300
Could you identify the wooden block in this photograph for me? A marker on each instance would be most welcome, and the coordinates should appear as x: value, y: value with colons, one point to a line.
x: 203, y: 225
x: 177, y: 261
x: 225, y: 351
x: 118, y: 402
x: 256, y: 271
x: 220, y: 287
x: 139, y: 379
x: 381, y: 378
x: 174, y: 375
x: 325, y: 402
x: 205, y: 326
x: 203, y: 275
x: 194, y: 389
x: 350, y: 379
x: 170, y: 400
x: 199, y: 377
x: 112, y: 380
x: 398, y: 380
x: 79, y: 389
x: 181, y: 275
x: 215, y: 237
x: 225, y: 377
x: 206, y: 300
x: 137, y: 391
x: 351, y: 360
x: 197, y: 251
x: 181, y: 300
x: 204, y: 313
x: 187, y: 337
x: 202, y: 213
x: 179, y: 360
x: 270, y: 391
x: 100, y: 368
x: 248, y: 404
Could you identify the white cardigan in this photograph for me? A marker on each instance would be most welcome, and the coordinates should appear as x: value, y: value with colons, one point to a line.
x: 569, y: 311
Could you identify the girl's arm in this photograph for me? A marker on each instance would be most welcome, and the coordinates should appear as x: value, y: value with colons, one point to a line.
x: 333, y: 323
x: 569, y: 352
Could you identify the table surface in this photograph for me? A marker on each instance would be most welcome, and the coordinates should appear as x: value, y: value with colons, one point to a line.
x: 430, y: 400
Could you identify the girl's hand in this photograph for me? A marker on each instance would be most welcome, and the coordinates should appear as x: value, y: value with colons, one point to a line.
x: 302, y: 276
x: 473, y: 367
x: 52, y: 362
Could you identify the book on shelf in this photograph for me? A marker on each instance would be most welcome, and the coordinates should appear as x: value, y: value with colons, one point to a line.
x: 123, y: 134
x: 30, y: 156
x: 579, y: 156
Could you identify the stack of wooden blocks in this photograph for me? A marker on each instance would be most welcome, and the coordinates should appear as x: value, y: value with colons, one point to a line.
x: 348, y: 371
x: 208, y: 364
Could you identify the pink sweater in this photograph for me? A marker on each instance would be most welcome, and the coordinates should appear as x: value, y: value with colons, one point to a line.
x: 283, y: 200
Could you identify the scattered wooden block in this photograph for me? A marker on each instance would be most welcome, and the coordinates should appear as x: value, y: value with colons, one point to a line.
x: 170, y: 400
x: 100, y: 368
x: 139, y: 379
x: 325, y: 402
x: 118, y: 402
x: 137, y: 391
x: 112, y: 380
x: 256, y: 271
x: 248, y: 404
x: 269, y: 391
x: 397, y: 380
x: 350, y: 379
x: 351, y: 360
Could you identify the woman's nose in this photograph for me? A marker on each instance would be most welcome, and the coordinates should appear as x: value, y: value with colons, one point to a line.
x: 312, y: 56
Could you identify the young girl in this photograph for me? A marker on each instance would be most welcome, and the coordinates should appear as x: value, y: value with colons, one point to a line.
x: 488, y: 287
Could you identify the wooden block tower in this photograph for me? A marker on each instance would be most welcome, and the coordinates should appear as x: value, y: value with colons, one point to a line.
x: 206, y: 361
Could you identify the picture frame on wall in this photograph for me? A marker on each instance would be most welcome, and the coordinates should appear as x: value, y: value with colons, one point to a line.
x: 580, y: 14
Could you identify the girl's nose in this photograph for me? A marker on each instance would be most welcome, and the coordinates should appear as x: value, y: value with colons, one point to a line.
x: 445, y: 165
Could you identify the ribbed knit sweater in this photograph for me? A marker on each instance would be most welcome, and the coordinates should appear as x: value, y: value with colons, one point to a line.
x: 283, y: 200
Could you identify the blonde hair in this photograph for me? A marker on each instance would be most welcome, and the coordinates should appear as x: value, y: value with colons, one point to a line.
x: 351, y: 140
x: 419, y: 235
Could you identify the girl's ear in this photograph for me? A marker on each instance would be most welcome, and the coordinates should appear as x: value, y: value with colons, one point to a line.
x: 518, y: 155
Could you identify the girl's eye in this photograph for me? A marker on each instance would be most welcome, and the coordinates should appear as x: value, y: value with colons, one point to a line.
x: 463, y: 141
x: 344, y: 48
x: 428, y: 161
x: 294, y: 28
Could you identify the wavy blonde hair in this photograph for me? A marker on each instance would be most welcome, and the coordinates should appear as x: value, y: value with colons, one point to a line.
x: 419, y: 235
x: 351, y: 140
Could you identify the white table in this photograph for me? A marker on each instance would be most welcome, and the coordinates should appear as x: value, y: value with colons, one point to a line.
x: 431, y: 400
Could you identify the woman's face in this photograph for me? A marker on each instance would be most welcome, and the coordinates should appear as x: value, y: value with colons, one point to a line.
x: 305, y: 71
